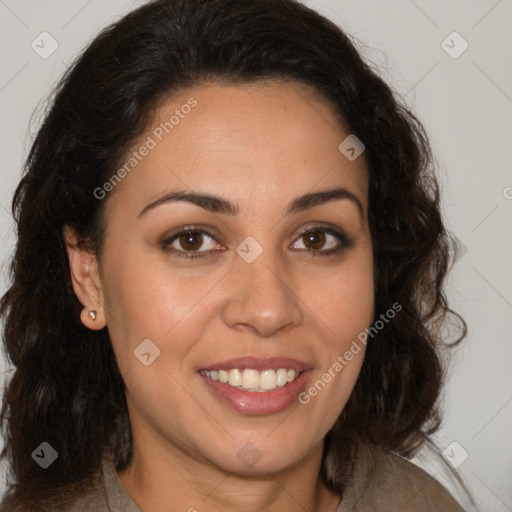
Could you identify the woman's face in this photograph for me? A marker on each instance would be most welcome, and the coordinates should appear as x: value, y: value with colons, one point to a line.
x: 245, y: 283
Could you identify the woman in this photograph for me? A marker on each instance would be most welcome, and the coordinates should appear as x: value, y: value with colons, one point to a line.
x: 228, y: 282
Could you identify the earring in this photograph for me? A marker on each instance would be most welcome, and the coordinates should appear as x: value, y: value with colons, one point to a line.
x: 92, y: 314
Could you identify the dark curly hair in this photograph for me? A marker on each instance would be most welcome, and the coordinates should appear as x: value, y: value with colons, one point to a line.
x: 66, y: 387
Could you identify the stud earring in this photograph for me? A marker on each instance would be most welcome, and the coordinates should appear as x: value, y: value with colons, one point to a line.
x: 92, y: 314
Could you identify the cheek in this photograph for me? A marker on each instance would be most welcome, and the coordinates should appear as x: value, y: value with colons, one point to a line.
x: 150, y: 300
x: 344, y: 307
x: 343, y: 300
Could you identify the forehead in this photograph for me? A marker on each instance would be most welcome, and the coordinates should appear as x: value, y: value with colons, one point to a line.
x: 268, y: 141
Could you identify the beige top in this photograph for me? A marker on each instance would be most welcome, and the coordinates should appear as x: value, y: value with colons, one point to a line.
x: 397, y: 485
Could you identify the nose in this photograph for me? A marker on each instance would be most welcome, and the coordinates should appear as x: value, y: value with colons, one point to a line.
x: 262, y: 297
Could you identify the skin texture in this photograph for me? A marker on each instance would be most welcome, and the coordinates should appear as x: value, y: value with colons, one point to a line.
x: 260, y: 147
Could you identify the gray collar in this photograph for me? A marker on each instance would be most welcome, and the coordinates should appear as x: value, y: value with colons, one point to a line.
x: 117, y: 496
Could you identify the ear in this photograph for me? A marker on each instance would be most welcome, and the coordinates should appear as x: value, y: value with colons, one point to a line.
x: 85, y: 277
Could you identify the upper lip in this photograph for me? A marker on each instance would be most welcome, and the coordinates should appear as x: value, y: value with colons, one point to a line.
x: 260, y: 363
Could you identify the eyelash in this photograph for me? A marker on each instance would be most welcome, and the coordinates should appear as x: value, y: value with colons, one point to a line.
x: 344, y: 242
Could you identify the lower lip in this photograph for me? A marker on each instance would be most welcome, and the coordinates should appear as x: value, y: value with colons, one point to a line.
x: 267, y: 402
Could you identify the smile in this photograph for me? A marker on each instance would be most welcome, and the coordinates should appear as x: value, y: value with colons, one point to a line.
x: 253, y: 380
x: 267, y: 393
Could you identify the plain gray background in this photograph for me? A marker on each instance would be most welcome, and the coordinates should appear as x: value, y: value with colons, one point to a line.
x: 465, y: 102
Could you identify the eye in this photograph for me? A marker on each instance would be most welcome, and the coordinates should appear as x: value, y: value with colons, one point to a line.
x: 189, y: 241
x: 193, y: 242
x: 321, y: 240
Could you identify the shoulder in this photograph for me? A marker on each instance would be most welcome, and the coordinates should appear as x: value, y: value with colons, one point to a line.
x: 383, y: 481
x: 101, y: 492
x: 413, y: 487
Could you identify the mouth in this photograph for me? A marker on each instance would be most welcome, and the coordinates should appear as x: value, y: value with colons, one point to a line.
x: 251, y: 380
x: 251, y: 385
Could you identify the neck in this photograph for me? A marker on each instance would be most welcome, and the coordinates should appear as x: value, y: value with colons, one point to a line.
x: 174, y: 481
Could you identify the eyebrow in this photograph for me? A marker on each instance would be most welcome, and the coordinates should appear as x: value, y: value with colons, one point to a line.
x: 217, y: 204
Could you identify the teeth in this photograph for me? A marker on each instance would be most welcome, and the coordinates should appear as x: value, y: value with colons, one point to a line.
x: 268, y: 379
x: 253, y: 380
x: 282, y: 377
x: 250, y: 379
x: 235, y: 378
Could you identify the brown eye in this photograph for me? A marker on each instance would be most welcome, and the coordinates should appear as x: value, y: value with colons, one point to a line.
x: 190, y: 244
x: 321, y: 241
x: 314, y: 239
x: 191, y: 241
